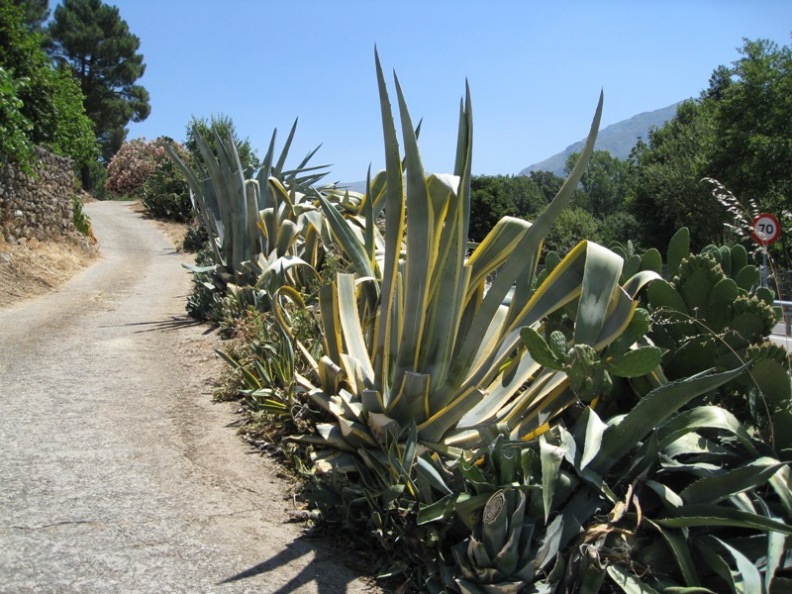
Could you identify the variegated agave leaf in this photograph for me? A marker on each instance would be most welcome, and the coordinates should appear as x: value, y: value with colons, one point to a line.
x: 434, y: 346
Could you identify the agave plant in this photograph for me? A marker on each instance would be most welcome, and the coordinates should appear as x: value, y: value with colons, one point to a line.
x: 246, y: 218
x: 664, y: 498
x: 432, y: 345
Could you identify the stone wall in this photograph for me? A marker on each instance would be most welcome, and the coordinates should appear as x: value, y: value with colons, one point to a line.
x: 37, y: 206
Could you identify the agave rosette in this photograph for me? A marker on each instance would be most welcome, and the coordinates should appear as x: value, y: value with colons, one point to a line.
x: 420, y: 338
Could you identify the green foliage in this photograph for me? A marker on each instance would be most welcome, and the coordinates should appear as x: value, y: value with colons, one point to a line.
x: 39, y: 102
x: 713, y: 314
x: 669, y: 192
x: 494, y: 197
x: 36, y: 12
x: 195, y: 239
x: 204, y: 303
x: 752, y: 125
x: 573, y: 226
x: 165, y: 193
x: 82, y: 222
x: 267, y: 358
x: 92, y: 39
x: 14, y: 126
x: 142, y: 170
x: 220, y: 126
x: 737, y: 132
x: 540, y: 433
x: 73, y: 134
x: 607, y: 184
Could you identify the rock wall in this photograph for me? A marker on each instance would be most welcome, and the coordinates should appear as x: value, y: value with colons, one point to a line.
x: 37, y: 206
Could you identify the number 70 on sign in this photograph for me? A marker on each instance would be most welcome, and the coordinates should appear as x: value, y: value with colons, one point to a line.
x: 765, y: 229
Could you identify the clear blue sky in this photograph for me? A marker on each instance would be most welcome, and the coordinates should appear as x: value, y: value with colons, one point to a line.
x: 535, y: 68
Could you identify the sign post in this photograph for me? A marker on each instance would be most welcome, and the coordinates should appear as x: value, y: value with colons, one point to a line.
x: 765, y: 229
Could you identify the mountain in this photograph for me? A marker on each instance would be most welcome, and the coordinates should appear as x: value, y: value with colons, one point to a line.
x: 618, y: 139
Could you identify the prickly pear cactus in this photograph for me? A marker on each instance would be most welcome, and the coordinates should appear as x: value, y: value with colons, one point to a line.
x: 588, y: 376
x: 714, y: 314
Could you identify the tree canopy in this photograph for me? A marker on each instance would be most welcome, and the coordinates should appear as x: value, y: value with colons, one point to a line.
x: 94, y: 41
x: 40, y: 104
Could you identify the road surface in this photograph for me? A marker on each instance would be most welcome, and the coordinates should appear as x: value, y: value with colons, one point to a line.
x: 117, y: 473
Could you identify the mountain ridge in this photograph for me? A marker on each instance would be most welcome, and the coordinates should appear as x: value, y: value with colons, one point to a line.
x: 618, y: 139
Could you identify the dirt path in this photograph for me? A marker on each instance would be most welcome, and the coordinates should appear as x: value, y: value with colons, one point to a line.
x: 117, y: 473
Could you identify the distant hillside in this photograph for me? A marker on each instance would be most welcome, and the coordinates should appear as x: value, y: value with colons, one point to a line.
x: 618, y: 139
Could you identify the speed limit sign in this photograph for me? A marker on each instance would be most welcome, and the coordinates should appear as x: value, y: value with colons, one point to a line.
x: 765, y: 228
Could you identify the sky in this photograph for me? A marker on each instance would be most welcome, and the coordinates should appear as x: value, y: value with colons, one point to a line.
x: 535, y: 69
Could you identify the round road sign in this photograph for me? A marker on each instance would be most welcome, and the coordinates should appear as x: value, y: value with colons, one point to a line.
x: 765, y: 228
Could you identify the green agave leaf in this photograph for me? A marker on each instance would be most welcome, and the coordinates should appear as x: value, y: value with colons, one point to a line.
x: 780, y: 482
x: 347, y: 239
x: 652, y: 410
x: 551, y: 457
x: 669, y: 498
x: 717, y: 488
x: 594, y: 430
x: 704, y: 417
x: 697, y: 515
x: 749, y: 579
x: 592, y: 572
x: 428, y: 471
x: 680, y: 548
x: 776, y: 549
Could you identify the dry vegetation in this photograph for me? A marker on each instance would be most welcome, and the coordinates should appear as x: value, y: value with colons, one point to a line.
x: 42, y: 266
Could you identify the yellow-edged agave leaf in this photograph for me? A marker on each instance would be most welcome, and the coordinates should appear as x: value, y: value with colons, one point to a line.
x: 421, y: 246
x: 600, y: 281
x: 350, y: 325
x: 328, y: 310
x: 356, y: 434
x: 436, y: 426
x: 394, y: 235
x: 495, y: 249
x: 348, y: 240
x: 438, y: 350
x: 411, y: 401
x: 518, y: 271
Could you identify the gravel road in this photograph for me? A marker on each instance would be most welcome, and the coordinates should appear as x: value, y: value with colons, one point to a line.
x: 117, y: 473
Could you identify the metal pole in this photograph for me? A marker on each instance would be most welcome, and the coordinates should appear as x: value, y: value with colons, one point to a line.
x: 764, y: 268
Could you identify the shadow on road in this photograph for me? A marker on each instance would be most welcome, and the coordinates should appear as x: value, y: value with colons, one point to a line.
x: 173, y: 323
x: 317, y: 571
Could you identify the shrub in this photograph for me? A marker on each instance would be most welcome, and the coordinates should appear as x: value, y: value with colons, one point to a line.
x: 132, y: 166
x: 82, y: 222
x: 165, y: 193
x: 573, y: 225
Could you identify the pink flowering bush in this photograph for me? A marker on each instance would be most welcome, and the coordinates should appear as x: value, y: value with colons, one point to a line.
x: 133, y: 165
